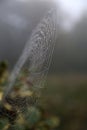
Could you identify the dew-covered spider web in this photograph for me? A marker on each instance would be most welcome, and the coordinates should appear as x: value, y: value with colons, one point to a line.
x: 33, y: 64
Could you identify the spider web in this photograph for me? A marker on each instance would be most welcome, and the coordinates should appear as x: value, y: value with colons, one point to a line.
x: 36, y: 57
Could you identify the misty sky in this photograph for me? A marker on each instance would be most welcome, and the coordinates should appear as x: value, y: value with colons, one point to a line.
x: 73, y: 7
x: 73, y: 10
x: 19, y: 17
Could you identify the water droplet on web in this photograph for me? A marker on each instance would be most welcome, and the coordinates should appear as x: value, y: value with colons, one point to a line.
x: 36, y: 57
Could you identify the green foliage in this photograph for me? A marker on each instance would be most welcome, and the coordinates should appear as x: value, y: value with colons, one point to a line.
x: 32, y: 116
x: 18, y: 111
x: 16, y: 127
x: 3, y: 123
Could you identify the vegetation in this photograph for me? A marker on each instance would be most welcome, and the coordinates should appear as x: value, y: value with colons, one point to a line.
x: 19, y: 110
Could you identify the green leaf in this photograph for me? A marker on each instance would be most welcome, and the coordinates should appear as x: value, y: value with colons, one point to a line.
x: 3, y: 123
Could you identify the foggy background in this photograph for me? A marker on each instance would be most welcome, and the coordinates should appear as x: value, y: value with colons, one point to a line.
x: 65, y: 93
x: 19, y: 17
